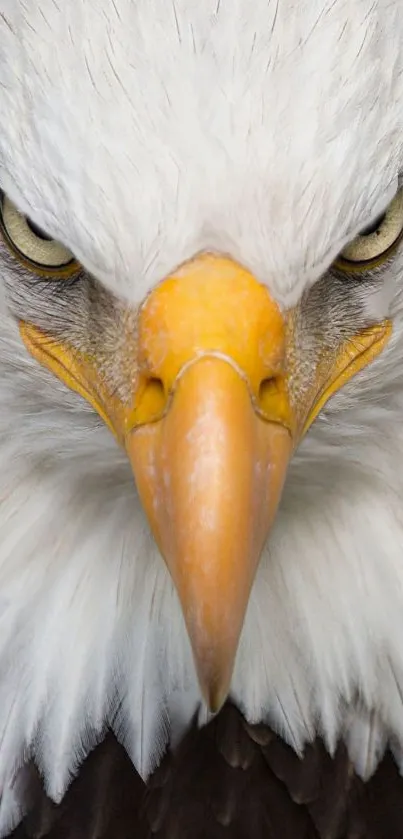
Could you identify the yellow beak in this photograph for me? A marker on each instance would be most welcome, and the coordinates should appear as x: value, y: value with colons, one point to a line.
x: 210, y: 467
x: 210, y: 474
x: 209, y: 431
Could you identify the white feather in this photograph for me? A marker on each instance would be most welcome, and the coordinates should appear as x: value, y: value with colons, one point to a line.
x: 11, y: 812
x: 366, y: 740
x: 288, y: 110
x: 249, y: 129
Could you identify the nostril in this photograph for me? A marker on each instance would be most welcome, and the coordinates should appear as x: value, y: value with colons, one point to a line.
x: 153, y: 399
x: 269, y: 388
x: 156, y: 387
x: 273, y: 400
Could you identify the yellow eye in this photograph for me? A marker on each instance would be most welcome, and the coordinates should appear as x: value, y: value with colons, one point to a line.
x: 376, y: 243
x: 31, y: 246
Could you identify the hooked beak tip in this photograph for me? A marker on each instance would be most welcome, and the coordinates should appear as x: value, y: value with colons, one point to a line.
x: 214, y: 666
x: 214, y: 691
x: 215, y: 699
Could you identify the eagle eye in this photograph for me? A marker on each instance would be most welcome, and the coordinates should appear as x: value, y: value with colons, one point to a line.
x: 376, y: 242
x: 32, y: 246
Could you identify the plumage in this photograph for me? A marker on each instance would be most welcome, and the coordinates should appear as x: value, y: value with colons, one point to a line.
x: 225, y: 779
x: 143, y: 136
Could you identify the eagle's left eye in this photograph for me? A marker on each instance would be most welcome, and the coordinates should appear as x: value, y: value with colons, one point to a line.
x: 33, y: 248
x: 376, y: 243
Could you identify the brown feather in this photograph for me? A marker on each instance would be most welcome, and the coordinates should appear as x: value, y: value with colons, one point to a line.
x: 229, y: 780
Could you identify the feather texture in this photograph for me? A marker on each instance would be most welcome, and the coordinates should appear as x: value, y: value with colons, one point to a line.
x: 91, y: 630
x: 226, y: 779
x: 206, y: 137
x: 271, y: 132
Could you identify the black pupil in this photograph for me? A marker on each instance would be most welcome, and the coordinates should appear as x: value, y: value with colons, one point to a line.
x: 37, y: 230
x: 372, y: 228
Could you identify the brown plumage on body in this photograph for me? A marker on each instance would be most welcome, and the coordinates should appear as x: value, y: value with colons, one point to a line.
x: 228, y: 779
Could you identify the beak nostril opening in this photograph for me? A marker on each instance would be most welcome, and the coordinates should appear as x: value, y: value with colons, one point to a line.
x: 269, y: 388
x: 156, y: 386
x: 273, y: 400
x: 153, y: 399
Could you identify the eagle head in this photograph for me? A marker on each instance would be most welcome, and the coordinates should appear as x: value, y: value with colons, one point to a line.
x: 201, y: 361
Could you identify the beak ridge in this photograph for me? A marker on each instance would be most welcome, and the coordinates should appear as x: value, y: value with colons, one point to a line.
x: 210, y: 475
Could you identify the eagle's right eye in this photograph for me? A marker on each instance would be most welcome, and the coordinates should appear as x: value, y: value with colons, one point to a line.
x: 31, y: 246
x: 377, y: 242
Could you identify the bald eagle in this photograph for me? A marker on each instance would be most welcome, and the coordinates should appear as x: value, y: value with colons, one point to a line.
x: 201, y: 445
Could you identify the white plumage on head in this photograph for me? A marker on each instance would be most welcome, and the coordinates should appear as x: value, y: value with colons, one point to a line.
x: 139, y: 135
x: 216, y: 110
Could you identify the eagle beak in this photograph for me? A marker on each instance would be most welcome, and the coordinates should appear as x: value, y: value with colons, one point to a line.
x: 210, y: 474
x: 209, y: 439
x: 214, y: 412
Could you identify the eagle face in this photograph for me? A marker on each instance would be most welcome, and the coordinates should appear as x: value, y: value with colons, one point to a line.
x: 201, y: 216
